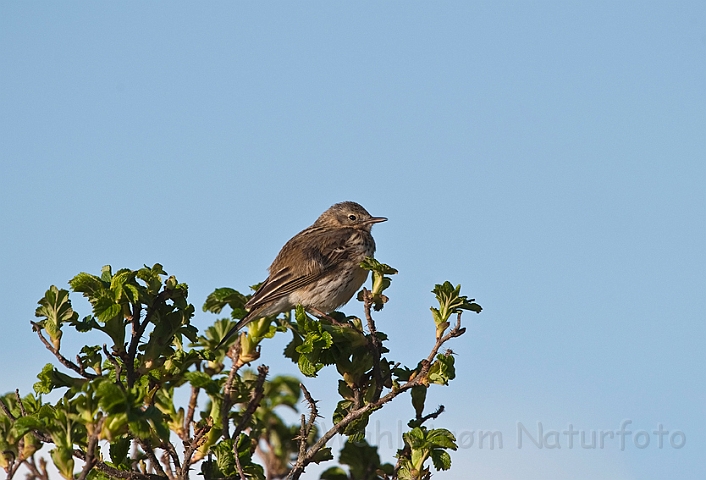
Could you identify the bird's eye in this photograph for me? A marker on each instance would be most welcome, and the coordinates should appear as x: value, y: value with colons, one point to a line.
x: 352, y: 217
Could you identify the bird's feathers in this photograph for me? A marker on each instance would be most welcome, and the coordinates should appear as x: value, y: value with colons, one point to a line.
x: 312, y: 264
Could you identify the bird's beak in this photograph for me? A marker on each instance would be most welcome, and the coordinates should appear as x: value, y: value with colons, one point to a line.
x: 377, y: 220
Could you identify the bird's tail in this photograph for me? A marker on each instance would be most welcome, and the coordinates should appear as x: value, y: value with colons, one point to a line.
x: 238, y: 326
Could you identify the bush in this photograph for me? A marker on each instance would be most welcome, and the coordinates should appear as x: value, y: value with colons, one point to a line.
x: 118, y: 416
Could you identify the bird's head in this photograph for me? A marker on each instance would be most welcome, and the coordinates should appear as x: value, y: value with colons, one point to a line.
x: 348, y: 214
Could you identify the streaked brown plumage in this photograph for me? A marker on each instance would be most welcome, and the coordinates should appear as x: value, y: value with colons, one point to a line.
x: 318, y: 268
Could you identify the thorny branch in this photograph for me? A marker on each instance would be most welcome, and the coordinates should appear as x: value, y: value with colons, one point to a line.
x: 306, y: 425
x: 418, y: 379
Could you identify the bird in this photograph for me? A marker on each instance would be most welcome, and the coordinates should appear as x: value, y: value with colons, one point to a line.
x: 318, y: 268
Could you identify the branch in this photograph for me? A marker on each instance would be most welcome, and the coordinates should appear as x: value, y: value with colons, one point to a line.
x: 37, y: 472
x: 6, y: 410
x: 255, y: 399
x: 189, y: 419
x: 167, y: 465
x: 41, y: 436
x: 64, y: 361
x: 90, y: 461
x: 139, y: 328
x: 153, y: 458
x: 114, y: 472
x: 357, y: 413
x: 196, y: 442
x: 431, y: 416
x: 373, y: 343
x: 116, y: 365
x: 241, y: 473
x: 234, y: 355
x: 306, y: 426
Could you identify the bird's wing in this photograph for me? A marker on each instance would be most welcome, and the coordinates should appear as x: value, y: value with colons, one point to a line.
x: 302, y: 261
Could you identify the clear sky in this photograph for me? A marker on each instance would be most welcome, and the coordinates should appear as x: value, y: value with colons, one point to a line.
x: 550, y: 157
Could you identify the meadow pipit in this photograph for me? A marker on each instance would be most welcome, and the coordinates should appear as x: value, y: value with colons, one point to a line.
x: 318, y: 268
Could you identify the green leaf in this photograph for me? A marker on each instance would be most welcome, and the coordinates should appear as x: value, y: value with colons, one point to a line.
x: 202, y: 380
x: 55, y: 308
x: 371, y: 264
x: 225, y: 461
x: 334, y: 473
x: 106, y: 309
x: 119, y: 450
x: 307, y: 367
x: 106, y: 273
x: 225, y: 296
x: 50, y: 378
x: 64, y: 461
x: 451, y: 301
x: 88, y: 284
x: 441, y: 437
x: 322, y: 455
x: 441, y: 459
x: 442, y: 370
x: 112, y: 398
x: 24, y: 425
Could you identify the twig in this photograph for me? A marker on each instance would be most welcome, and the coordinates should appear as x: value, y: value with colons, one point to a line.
x: 19, y: 402
x: 42, y: 437
x: 302, y: 439
x: 38, y: 472
x: 313, y: 411
x: 241, y: 473
x: 137, y: 331
x: 255, y: 399
x: 6, y: 410
x: 114, y: 472
x: 169, y: 449
x: 196, y: 442
x: 374, y: 343
x: 193, y: 399
x: 355, y: 414
x: 64, y: 361
x: 91, y: 449
x: 116, y: 364
x: 153, y: 458
x: 306, y: 426
x: 234, y: 354
x: 165, y: 459
x: 431, y: 416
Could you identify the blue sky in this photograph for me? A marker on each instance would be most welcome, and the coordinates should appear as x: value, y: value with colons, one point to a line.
x: 548, y: 156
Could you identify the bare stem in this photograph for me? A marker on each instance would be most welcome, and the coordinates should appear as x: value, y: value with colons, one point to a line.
x: 234, y: 355
x: 64, y: 361
x: 90, y: 461
x: 193, y: 399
